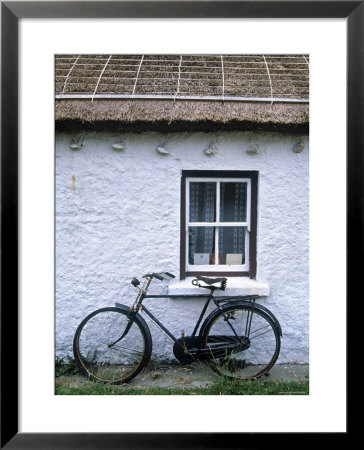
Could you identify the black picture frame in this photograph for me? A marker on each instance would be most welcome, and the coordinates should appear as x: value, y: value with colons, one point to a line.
x: 11, y: 12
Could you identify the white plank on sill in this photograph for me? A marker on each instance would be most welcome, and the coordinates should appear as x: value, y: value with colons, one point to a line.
x: 235, y: 286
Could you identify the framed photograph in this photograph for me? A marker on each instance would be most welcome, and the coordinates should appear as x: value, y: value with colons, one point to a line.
x: 47, y: 193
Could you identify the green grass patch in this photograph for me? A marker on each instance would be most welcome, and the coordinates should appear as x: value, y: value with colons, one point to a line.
x: 222, y: 387
x: 66, y: 366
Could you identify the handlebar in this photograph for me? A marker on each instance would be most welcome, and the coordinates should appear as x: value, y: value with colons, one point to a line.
x: 135, y: 282
x: 154, y: 275
x: 170, y: 274
x: 160, y: 275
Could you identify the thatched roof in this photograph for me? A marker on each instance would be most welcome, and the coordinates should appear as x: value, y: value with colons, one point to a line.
x: 172, y: 92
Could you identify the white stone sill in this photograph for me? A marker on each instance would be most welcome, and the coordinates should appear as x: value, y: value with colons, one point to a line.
x: 235, y: 286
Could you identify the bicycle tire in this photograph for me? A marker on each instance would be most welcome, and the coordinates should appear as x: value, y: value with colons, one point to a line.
x: 246, y: 359
x: 117, y: 363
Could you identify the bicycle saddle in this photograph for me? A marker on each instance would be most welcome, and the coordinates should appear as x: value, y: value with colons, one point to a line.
x: 210, y: 282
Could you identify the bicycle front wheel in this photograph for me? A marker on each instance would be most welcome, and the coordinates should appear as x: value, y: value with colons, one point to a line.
x: 101, y: 351
x: 242, y: 342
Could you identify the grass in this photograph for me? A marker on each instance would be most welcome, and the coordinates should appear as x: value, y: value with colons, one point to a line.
x: 66, y: 366
x: 222, y: 387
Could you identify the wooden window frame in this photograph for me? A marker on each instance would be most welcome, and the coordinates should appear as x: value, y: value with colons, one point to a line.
x: 252, y: 245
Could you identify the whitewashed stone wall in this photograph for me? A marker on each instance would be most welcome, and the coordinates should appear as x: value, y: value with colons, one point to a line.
x: 118, y: 216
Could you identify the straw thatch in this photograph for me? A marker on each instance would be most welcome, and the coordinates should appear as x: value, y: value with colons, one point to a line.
x: 166, y: 115
x: 152, y: 87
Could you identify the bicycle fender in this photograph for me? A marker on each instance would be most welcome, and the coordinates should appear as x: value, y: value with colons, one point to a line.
x: 271, y: 315
x: 217, y: 311
x: 136, y: 315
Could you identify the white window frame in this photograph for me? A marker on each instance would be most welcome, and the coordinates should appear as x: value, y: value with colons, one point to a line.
x: 217, y: 224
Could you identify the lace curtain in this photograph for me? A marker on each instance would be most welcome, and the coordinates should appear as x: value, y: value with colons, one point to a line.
x: 203, y: 209
x: 232, y: 209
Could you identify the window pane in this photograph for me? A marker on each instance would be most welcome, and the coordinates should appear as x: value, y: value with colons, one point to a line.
x: 201, y: 243
x: 232, y: 245
x: 202, y: 202
x: 233, y: 199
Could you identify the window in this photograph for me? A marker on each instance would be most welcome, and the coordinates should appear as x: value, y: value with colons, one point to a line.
x: 219, y: 223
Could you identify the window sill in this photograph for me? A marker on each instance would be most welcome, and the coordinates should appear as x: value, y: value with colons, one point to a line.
x: 235, y: 286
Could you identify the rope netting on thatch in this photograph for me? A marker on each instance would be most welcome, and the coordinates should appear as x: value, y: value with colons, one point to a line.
x: 227, y: 77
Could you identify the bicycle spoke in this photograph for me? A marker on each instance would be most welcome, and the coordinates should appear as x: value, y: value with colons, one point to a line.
x: 127, y: 350
x: 261, y: 334
x: 262, y: 328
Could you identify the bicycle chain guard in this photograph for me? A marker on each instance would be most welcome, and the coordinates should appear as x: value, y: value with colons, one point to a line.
x: 217, y: 347
x: 192, y: 343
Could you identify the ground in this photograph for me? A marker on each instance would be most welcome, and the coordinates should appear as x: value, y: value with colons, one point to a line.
x: 175, y: 378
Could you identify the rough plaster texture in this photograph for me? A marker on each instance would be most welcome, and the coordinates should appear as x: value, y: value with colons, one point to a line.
x: 118, y: 216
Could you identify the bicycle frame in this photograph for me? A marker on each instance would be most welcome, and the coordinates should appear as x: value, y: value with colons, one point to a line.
x: 138, y: 305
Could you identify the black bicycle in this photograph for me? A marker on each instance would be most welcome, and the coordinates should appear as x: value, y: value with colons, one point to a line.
x: 238, y: 339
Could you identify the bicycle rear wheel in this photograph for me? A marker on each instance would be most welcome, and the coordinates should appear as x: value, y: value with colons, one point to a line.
x: 100, y: 352
x: 250, y: 351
